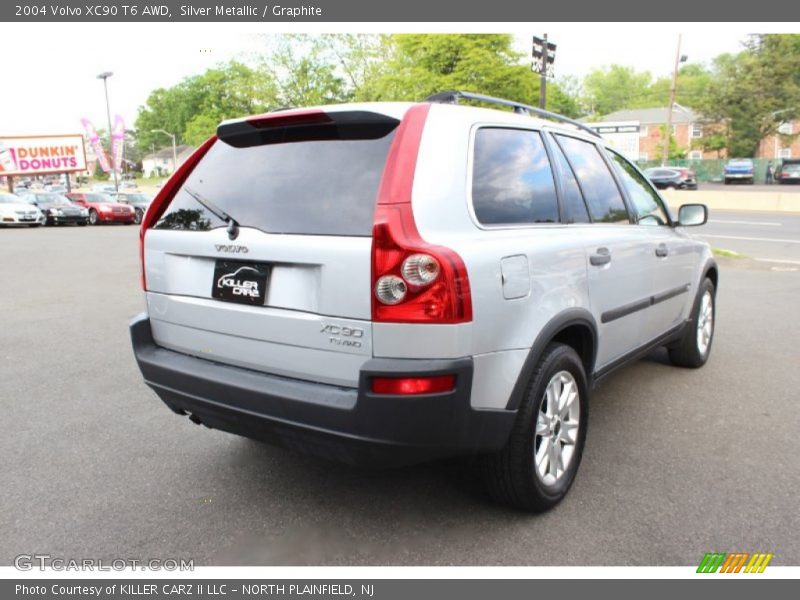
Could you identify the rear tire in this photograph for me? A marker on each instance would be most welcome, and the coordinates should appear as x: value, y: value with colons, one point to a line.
x: 93, y: 219
x: 694, y: 347
x: 137, y: 217
x: 538, y: 465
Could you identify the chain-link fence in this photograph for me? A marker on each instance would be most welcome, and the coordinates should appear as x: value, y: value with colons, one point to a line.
x: 712, y: 170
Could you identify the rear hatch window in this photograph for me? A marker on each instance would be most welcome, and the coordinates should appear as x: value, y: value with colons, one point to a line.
x: 319, y: 179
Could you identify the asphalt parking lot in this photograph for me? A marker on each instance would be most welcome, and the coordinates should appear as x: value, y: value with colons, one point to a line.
x: 677, y: 463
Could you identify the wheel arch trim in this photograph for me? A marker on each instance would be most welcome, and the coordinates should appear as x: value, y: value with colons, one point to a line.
x: 558, y: 324
x: 708, y: 267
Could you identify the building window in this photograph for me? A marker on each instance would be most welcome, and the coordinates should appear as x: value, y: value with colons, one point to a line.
x: 643, y: 131
x: 785, y: 153
x: 643, y: 156
x: 696, y: 155
x: 785, y: 128
x: 697, y: 130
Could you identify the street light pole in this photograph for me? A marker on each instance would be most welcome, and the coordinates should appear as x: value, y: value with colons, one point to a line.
x: 668, y: 133
x: 174, y: 147
x: 104, y: 76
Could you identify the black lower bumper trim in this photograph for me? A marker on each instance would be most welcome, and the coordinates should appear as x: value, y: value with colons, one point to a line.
x: 347, y: 424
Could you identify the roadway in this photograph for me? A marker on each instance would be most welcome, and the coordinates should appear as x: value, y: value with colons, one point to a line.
x: 769, y: 237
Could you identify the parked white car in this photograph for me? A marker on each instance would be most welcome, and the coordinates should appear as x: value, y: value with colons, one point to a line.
x: 15, y: 211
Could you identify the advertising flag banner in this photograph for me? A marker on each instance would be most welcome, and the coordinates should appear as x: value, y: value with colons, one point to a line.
x: 97, y: 146
x: 117, y: 142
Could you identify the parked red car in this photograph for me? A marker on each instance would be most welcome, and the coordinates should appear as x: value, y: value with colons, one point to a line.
x: 102, y: 208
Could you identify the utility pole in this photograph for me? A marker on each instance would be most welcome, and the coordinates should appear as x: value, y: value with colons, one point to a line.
x: 679, y: 58
x: 544, y: 55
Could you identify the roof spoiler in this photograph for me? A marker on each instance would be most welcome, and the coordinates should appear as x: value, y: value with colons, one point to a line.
x: 291, y: 125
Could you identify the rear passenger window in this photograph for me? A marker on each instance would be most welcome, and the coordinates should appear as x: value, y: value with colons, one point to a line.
x: 575, y: 210
x: 645, y: 200
x: 600, y: 190
x: 512, y: 182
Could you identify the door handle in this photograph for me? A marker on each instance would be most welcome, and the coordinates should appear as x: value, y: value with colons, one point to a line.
x: 601, y: 257
x: 662, y: 251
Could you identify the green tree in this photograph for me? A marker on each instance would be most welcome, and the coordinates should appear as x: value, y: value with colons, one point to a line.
x: 99, y: 174
x: 193, y: 108
x: 755, y: 90
x: 305, y: 71
x: 614, y: 88
x: 695, y: 83
x: 418, y: 65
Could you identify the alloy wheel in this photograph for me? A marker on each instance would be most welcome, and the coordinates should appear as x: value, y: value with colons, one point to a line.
x: 705, y: 323
x: 557, y: 428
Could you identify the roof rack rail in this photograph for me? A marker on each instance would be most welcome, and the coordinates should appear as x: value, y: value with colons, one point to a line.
x: 451, y: 97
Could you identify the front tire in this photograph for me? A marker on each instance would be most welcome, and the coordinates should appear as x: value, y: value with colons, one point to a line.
x: 538, y: 465
x: 694, y: 347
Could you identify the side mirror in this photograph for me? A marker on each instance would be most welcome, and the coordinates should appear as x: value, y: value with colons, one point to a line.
x: 692, y: 215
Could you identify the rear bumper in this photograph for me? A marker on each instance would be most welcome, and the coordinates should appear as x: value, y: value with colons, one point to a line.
x: 347, y: 424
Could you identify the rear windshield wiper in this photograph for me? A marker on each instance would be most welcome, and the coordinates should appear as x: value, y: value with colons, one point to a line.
x: 233, y: 225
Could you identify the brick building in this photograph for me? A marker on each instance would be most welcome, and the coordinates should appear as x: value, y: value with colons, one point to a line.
x: 778, y: 146
x: 687, y: 129
x: 690, y: 132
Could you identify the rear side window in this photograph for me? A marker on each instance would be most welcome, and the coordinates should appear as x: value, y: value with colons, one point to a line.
x: 575, y: 210
x: 512, y: 182
x: 599, y: 188
x: 308, y: 186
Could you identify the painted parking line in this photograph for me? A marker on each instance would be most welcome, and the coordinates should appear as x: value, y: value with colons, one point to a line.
x: 730, y: 222
x: 750, y: 239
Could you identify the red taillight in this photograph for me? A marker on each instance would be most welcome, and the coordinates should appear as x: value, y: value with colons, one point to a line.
x: 412, y: 281
x: 445, y: 299
x: 164, y: 197
x: 408, y: 386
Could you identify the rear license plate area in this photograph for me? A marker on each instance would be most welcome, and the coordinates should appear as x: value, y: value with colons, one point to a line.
x: 241, y: 282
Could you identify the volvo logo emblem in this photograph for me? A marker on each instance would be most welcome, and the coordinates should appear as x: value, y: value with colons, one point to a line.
x: 231, y: 248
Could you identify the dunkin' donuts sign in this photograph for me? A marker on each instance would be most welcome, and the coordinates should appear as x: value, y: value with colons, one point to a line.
x: 39, y: 155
